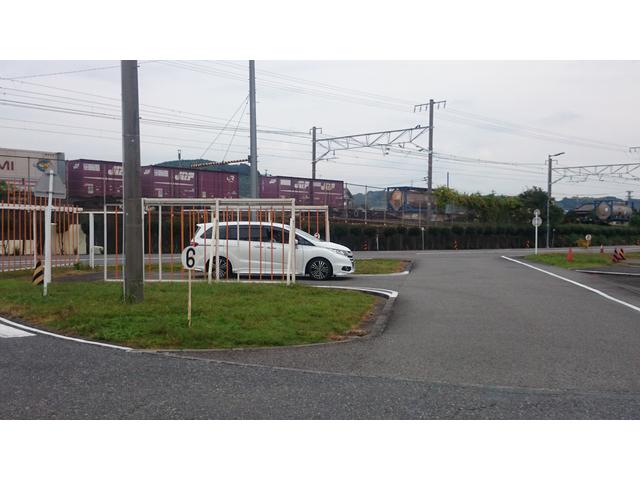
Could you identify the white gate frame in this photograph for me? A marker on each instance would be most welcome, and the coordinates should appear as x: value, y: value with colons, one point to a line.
x: 240, y: 205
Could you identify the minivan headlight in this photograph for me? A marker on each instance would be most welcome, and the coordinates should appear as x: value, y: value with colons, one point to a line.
x: 339, y: 252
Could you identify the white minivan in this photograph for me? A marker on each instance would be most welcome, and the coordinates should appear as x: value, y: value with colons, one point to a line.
x: 261, y: 250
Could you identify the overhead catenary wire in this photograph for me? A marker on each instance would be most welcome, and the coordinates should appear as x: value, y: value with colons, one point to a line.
x: 474, y: 120
x: 228, y: 121
x: 235, y: 131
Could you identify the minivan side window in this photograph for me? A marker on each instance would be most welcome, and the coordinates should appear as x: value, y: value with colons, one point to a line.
x: 277, y: 235
x: 222, y: 232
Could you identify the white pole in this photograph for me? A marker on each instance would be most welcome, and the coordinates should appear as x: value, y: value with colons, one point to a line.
x: 92, y: 260
x: 104, y: 239
x: 536, y: 242
x: 215, y: 236
x: 33, y: 244
x: 327, y: 234
x: 160, y: 242
x: 47, y: 235
x: 189, y: 301
x: 291, y: 263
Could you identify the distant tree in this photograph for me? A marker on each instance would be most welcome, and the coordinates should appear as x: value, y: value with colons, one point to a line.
x: 536, y: 197
x: 635, y: 220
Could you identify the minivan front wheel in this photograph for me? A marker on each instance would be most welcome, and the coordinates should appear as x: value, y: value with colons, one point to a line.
x: 225, y: 268
x: 320, y: 269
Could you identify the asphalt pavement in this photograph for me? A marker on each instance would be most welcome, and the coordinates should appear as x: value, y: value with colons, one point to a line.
x: 472, y: 335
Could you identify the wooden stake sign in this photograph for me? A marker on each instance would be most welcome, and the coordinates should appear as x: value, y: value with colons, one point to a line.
x: 188, y: 258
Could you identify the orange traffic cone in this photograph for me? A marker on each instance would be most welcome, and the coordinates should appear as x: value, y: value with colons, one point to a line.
x: 621, y: 254
x: 570, y: 255
x: 616, y: 258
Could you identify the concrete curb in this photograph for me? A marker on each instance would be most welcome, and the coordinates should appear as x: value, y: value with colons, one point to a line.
x: 62, y: 337
x: 406, y: 271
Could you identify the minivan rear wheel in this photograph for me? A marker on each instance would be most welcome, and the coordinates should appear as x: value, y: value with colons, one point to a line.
x: 320, y: 269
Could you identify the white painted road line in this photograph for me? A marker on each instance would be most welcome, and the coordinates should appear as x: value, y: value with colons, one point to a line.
x: 10, y: 332
x: 600, y: 272
x: 382, y: 291
x: 581, y: 285
x: 393, y: 274
x: 72, y: 339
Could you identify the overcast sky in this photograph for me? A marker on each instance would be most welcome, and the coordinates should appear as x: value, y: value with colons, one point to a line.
x: 513, y: 112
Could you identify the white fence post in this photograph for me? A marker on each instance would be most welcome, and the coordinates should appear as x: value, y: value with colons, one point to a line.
x: 216, y: 238
x: 105, y: 240
x: 33, y: 244
x: 160, y: 242
x: 92, y: 263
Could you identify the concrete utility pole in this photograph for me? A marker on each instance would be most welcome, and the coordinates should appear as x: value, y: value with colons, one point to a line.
x: 254, y: 138
x: 549, y: 183
x: 430, y: 168
x: 313, y: 153
x: 430, y: 106
x: 133, y: 249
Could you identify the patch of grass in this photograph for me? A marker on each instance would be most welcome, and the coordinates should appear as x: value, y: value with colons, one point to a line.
x: 223, y: 315
x: 380, y: 265
x: 580, y: 260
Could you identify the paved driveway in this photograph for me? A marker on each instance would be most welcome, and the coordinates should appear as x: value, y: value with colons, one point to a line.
x: 471, y: 336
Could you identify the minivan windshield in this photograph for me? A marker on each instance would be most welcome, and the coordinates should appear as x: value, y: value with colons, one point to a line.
x: 308, y: 237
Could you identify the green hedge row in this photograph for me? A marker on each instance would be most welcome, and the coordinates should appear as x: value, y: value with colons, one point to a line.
x: 358, y: 237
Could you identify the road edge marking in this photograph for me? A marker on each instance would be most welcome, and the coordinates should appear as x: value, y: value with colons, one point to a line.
x: 599, y: 272
x: 586, y: 287
x: 63, y: 337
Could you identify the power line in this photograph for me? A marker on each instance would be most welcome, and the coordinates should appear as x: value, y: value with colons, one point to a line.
x: 37, y: 75
x: 234, y: 132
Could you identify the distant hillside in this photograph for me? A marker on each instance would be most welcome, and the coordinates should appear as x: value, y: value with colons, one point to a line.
x: 570, y: 203
x: 375, y: 200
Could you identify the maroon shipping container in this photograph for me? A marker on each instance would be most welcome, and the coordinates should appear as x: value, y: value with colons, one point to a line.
x: 168, y: 182
x: 213, y: 184
x: 156, y: 182
x: 287, y: 187
x: 98, y: 178
x: 328, y: 192
x: 94, y: 178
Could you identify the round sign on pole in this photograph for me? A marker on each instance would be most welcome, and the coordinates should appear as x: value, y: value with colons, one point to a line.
x: 587, y: 237
x: 536, y: 221
x: 188, y: 258
x: 536, y: 212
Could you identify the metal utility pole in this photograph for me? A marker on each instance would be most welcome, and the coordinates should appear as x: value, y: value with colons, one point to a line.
x: 419, y: 108
x: 134, y: 248
x: 253, y: 132
x: 549, y: 183
x: 447, y: 179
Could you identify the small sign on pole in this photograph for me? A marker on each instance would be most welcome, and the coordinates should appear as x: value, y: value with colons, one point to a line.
x: 536, y: 222
x: 188, y: 259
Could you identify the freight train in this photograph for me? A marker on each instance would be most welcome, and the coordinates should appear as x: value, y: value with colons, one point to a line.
x: 605, y: 212
x: 95, y: 181
x: 305, y: 191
